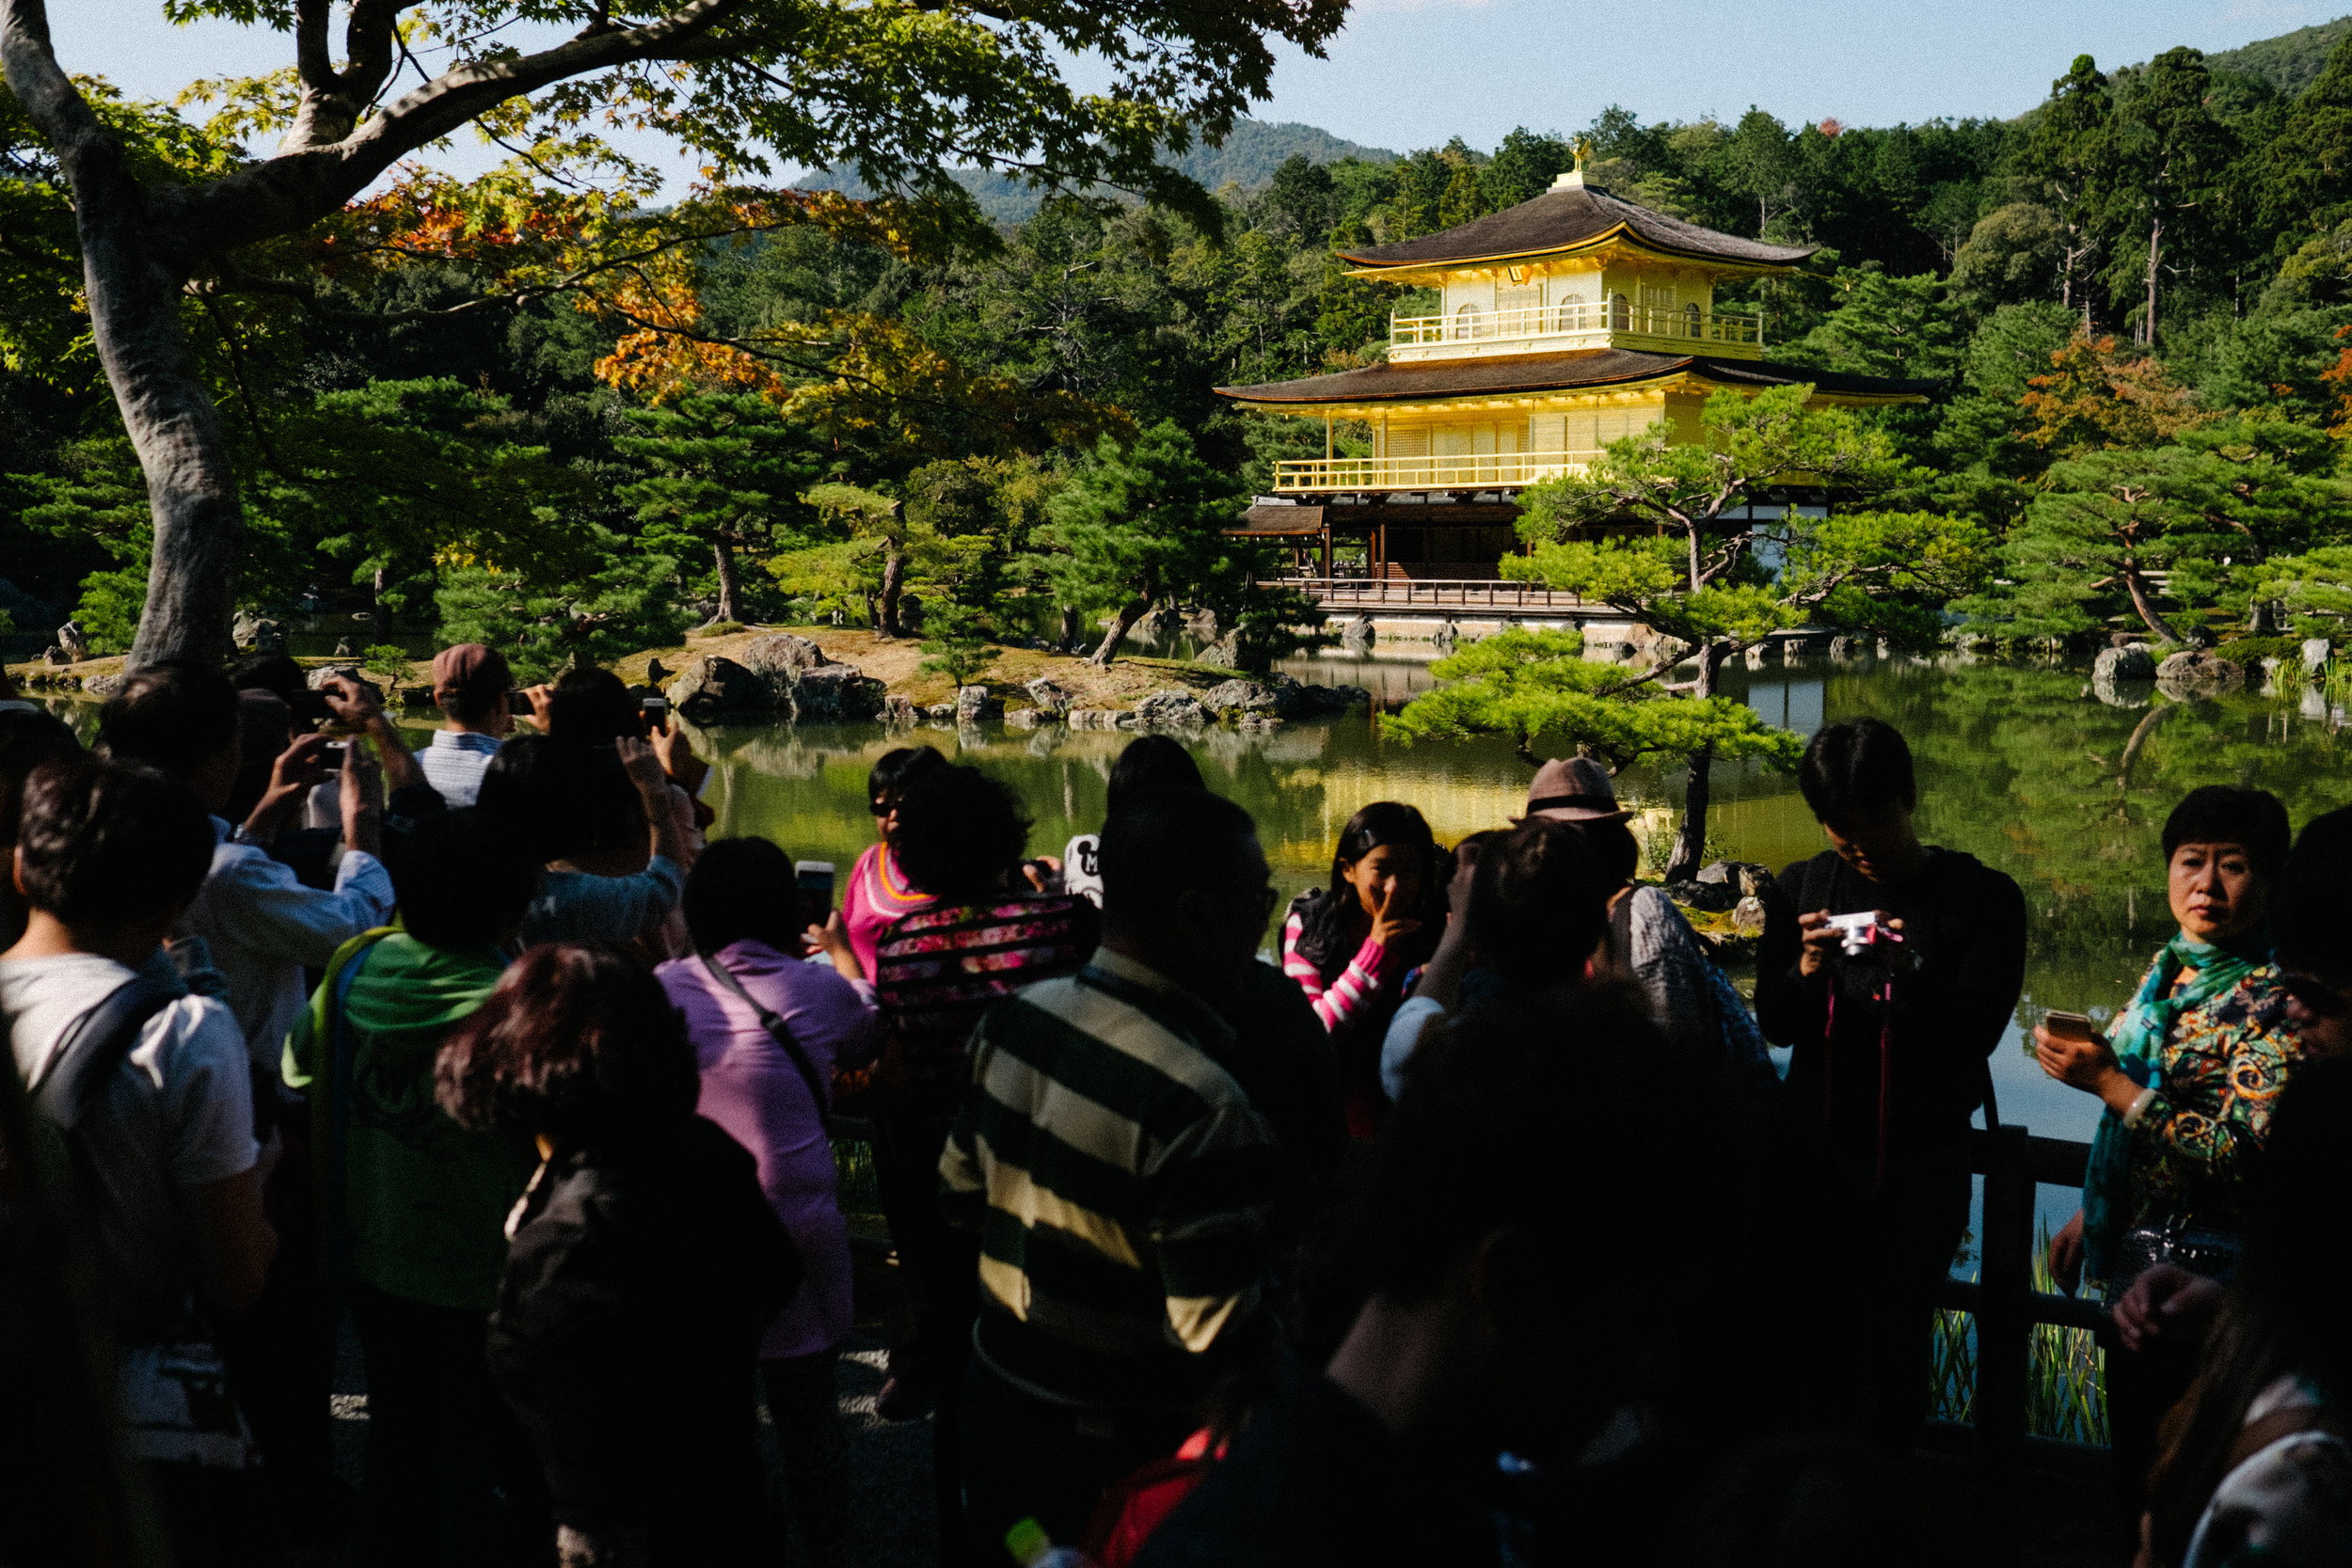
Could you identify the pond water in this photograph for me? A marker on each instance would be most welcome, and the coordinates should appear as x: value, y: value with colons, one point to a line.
x: 2019, y: 765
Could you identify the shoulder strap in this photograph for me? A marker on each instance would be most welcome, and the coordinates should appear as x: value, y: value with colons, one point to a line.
x: 1621, y: 932
x: 97, y: 1042
x: 776, y: 1027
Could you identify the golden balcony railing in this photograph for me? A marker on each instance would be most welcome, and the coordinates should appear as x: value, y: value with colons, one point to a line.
x: 1593, y: 325
x: 1468, y: 472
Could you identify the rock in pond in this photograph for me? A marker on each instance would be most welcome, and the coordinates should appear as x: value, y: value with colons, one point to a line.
x: 974, y: 704
x: 713, y: 687
x: 1051, y: 698
x: 1174, y: 707
x: 2193, y: 672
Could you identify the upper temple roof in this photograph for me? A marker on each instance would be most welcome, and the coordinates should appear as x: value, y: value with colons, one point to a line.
x: 1571, y: 217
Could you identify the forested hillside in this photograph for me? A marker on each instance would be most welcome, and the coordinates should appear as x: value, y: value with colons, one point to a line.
x: 619, y: 410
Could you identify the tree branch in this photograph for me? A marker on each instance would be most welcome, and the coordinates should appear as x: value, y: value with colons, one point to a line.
x: 290, y: 191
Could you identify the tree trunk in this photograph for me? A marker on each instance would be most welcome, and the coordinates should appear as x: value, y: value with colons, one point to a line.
x: 383, y: 610
x: 2145, y: 603
x: 730, y: 587
x: 1122, y: 623
x: 893, y: 579
x: 2155, y: 249
x: 1690, y: 851
x: 1073, y: 628
x: 133, y: 295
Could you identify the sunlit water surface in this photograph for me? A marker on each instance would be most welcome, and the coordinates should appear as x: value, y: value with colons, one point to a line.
x: 2019, y: 765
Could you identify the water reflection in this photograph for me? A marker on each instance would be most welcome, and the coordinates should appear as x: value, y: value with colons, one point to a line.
x: 2018, y: 765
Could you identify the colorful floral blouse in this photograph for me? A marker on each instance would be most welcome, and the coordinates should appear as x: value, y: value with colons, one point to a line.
x: 2195, y: 1132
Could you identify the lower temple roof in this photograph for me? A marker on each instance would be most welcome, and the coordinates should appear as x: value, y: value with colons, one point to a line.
x: 1570, y: 370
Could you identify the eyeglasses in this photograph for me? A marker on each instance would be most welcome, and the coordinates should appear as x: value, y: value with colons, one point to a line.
x: 2319, y: 998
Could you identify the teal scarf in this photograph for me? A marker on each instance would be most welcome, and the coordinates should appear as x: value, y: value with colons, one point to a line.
x: 2139, y: 1040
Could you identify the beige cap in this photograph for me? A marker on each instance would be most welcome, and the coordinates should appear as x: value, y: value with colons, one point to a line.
x: 1574, y: 789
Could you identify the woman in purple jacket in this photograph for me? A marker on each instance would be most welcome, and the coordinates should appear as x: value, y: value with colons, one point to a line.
x: 769, y: 1029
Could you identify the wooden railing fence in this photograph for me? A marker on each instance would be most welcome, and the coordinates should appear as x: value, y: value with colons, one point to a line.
x: 2003, y: 1299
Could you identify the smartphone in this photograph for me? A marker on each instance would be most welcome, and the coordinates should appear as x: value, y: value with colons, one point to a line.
x: 655, y: 713
x: 815, y: 882
x: 2075, y: 1025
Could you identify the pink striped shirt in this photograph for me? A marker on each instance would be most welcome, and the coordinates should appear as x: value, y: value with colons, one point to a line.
x: 1349, y: 992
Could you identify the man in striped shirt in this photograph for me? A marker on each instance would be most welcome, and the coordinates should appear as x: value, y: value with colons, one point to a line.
x: 1119, y: 1180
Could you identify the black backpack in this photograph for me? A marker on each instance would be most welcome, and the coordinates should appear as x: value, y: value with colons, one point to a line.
x: 94, y: 1047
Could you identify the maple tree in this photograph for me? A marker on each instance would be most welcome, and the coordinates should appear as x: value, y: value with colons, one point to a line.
x: 896, y: 89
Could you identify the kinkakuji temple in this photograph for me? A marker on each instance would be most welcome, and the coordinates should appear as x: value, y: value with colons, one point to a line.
x: 1569, y: 322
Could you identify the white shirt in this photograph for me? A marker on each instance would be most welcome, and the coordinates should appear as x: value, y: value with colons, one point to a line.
x: 454, y: 763
x: 264, y: 925
x: 178, y: 1113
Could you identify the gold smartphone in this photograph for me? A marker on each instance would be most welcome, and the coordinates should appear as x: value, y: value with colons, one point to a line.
x: 2077, y: 1025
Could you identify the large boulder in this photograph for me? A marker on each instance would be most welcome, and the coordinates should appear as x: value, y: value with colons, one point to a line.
x: 1445, y: 638
x: 2194, y: 672
x: 1710, y: 898
x: 1750, y: 877
x: 832, y: 694
x: 900, y: 710
x: 1171, y: 708
x: 2133, y: 661
x: 974, y: 704
x: 1238, y: 699
x: 316, y: 680
x: 711, y: 688
x: 1358, y: 634
x: 781, y: 656
x: 2314, y: 655
x: 1051, y: 698
x: 1332, y: 699
x: 70, y: 638
x: 1093, y: 718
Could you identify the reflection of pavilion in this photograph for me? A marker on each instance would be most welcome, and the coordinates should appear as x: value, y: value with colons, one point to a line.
x: 1567, y: 322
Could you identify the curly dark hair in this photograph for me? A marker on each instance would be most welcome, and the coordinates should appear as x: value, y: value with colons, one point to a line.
x: 959, y: 832
x: 578, y: 1045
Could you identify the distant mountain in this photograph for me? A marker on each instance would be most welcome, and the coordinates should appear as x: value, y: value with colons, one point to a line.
x: 2291, y: 61
x: 1256, y: 148
x: 1249, y: 157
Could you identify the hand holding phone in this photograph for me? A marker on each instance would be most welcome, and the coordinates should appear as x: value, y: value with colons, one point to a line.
x: 814, y: 879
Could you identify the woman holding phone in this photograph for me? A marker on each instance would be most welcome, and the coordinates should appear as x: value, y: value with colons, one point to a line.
x: 2189, y: 1076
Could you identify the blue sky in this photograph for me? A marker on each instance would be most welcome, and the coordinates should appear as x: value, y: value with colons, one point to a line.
x: 1409, y: 73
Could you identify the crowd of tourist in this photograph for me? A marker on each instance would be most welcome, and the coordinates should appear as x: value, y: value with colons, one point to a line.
x: 1465, y: 1214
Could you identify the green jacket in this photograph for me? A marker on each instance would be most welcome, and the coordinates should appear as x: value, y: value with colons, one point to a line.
x: 421, y: 1203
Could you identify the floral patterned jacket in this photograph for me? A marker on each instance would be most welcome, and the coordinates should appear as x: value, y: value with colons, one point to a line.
x: 2218, y: 1081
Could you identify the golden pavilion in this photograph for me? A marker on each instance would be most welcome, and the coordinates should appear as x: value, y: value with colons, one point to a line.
x: 1567, y: 322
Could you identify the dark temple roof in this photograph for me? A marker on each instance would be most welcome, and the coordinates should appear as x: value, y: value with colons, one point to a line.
x: 1546, y: 373
x: 1567, y: 216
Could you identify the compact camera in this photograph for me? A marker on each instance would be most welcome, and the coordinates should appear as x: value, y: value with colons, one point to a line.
x: 1857, y: 932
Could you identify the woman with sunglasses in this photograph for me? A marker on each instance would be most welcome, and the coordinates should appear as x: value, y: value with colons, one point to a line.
x: 878, y: 892
x: 2189, y: 1076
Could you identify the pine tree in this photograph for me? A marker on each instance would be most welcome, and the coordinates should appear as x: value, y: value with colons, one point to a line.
x: 726, y: 473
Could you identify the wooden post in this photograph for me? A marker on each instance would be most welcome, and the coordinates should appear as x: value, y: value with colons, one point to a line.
x: 1328, y: 451
x: 2004, y: 1322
